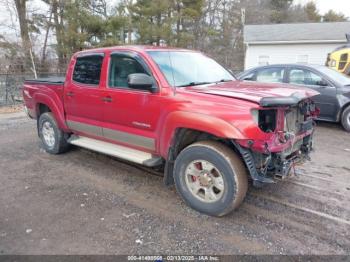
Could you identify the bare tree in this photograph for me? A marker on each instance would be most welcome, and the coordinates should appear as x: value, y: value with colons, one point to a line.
x: 21, y: 7
x: 57, y: 11
x: 48, y: 26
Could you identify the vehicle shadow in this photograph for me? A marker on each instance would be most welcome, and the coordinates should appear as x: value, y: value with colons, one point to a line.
x: 335, y: 126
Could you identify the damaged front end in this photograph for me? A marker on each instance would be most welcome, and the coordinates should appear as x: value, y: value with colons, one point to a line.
x: 288, y: 134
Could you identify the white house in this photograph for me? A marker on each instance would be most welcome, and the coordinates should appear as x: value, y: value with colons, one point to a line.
x: 307, y: 43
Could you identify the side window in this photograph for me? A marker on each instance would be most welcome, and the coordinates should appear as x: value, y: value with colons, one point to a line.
x: 87, y: 69
x: 121, y: 66
x: 304, y: 77
x: 270, y: 75
x: 313, y: 79
x: 297, y: 76
x: 249, y: 77
x: 343, y: 61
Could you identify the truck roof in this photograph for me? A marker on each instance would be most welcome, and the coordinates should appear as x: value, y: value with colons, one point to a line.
x: 134, y: 48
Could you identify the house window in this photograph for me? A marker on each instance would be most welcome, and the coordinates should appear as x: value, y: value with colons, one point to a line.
x: 263, y: 60
x: 302, y: 59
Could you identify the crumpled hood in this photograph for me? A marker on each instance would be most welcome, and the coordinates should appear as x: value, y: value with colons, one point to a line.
x: 261, y: 93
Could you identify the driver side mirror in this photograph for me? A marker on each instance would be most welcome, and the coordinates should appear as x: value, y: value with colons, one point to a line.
x: 142, y: 82
x: 322, y: 83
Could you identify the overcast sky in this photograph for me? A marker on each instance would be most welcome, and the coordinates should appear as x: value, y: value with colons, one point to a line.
x: 325, y: 5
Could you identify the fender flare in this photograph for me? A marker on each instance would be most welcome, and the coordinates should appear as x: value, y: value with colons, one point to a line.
x: 56, y: 107
x: 195, y: 121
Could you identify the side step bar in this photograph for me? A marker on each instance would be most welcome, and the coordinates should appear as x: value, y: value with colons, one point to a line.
x: 122, y: 152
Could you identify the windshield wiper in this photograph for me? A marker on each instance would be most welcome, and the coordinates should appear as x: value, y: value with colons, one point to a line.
x: 224, y: 80
x: 205, y: 83
x: 195, y: 84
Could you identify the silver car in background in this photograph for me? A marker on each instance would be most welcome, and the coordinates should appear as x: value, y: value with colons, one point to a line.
x: 334, y: 87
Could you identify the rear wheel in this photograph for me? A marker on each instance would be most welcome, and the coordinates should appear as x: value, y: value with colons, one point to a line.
x: 54, y: 139
x: 211, y: 178
x: 345, y: 120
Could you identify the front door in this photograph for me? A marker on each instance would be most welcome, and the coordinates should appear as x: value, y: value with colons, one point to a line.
x: 326, y: 101
x: 83, y: 96
x: 131, y: 115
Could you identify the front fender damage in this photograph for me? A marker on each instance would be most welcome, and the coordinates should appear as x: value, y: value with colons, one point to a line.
x: 268, y: 167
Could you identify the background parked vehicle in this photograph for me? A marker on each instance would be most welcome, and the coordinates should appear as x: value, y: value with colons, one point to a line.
x: 339, y: 59
x: 334, y: 87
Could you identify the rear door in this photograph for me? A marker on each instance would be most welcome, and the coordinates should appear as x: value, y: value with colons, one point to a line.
x: 326, y: 101
x: 83, y: 96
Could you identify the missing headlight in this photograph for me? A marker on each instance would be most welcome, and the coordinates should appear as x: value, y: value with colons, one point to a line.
x: 266, y: 119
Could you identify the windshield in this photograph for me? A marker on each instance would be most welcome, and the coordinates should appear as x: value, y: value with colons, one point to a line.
x: 189, y: 68
x: 340, y: 78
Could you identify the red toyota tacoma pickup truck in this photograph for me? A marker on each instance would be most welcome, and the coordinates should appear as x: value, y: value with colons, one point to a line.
x: 180, y: 110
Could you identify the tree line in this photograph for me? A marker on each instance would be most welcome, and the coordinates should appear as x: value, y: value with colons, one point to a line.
x: 212, y: 26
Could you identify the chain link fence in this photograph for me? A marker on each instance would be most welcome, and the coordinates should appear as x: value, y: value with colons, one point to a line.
x: 10, y: 89
x: 11, y: 86
x: 12, y: 77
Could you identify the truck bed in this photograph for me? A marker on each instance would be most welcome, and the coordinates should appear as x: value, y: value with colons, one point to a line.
x: 47, y: 80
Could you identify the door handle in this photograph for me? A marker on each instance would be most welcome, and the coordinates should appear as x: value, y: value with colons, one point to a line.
x: 107, y: 99
x: 70, y: 94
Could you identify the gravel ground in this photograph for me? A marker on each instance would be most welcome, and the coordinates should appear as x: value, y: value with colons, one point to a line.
x: 86, y: 203
x: 11, y: 109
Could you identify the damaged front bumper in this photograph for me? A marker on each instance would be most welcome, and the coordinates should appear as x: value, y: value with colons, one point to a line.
x: 283, y: 140
x: 268, y: 166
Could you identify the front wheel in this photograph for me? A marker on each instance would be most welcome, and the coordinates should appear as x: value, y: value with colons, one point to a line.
x: 54, y: 139
x: 211, y: 178
x: 345, y: 120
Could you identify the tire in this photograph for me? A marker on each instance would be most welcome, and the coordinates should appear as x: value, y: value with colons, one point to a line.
x: 54, y: 140
x: 345, y: 119
x: 229, y: 173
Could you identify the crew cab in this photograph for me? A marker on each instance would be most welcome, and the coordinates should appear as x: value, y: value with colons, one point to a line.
x: 179, y: 111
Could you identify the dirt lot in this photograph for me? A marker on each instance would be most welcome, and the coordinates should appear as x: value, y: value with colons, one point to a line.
x: 11, y: 109
x: 86, y: 203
